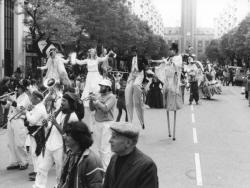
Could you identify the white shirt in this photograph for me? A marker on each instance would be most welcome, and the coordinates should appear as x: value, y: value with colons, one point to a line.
x: 37, y: 115
x: 55, y: 140
x: 22, y: 100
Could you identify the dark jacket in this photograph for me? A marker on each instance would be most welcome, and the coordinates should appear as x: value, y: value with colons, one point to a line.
x: 89, y: 172
x: 138, y: 171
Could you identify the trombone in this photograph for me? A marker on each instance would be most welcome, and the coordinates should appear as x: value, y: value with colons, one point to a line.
x: 7, y: 94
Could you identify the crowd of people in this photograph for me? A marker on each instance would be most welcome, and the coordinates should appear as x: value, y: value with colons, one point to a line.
x: 48, y: 120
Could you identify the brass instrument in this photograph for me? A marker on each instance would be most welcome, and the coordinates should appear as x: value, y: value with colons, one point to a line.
x: 7, y: 95
x: 49, y: 83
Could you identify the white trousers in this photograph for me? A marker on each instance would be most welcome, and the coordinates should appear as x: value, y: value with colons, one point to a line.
x: 44, y: 165
x: 102, y: 135
x: 17, y: 134
x: 33, y: 153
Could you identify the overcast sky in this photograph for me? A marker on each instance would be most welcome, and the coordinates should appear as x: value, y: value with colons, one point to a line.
x: 206, y: 11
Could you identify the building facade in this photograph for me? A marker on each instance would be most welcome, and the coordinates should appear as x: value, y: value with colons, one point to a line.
x: 232, y: 14
x: 12, y: 50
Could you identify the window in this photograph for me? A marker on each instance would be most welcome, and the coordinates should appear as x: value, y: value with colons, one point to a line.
x: 8, y: 37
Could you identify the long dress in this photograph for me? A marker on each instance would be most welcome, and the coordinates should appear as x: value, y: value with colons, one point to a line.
x: 172, y: 99
x: 154, y: 96
x: 93, y: 77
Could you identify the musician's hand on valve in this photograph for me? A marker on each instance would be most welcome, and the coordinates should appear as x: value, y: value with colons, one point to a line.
x: 45, y: 123
x: 30, y: 107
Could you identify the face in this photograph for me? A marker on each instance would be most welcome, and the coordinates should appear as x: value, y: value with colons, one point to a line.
x: 103, y: 89
x: 172, y: 53
x: 53, y: 54
x: 65, y: 104
x: 69, y: 141
x: 118, y: 143
x: 19, y: 91
x: 92, y: 52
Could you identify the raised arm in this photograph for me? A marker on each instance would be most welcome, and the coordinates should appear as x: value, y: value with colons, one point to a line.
x: 81, y: 62
x: 105, y: 58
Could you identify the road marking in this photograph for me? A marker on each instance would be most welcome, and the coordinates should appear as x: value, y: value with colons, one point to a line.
x: 198, y: 169
x: 193, y: 119
x: 192, y: 107
x: 195, y: 136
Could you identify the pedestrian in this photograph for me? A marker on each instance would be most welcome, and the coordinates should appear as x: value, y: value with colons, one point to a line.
x: 121, y: 101
x: 154, y: 95
x: 192, y: 71
x: 17, y: 132
x: 133, y: 92
x: 129, y: 167
x: 54, y: 148
x: 82, y: 167
x: 103, y: 106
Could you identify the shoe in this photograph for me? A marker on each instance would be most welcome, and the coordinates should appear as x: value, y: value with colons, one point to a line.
x: 32, y: 173
x: 32, y: 178
x: 197, y: 103
x: 23, y: 167
x: 190, y: 103
x: 13, y: 167
x: 143, y: 126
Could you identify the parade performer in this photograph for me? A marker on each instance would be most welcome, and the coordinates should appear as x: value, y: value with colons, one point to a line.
x: 17, y: 132
x: 54, y: 148
x: 104, y: 106
x: 133, y: 92
x: 82, y: 167
x: 192, y: 71
x: 171, y: 89
x: 34, y: 117
x: 93, y: 77
x: 55, y: 67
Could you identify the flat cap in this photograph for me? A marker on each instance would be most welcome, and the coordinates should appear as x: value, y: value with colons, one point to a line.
x: 125, y: 129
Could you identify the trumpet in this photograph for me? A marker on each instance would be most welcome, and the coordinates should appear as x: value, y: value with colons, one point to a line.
x: 7, y: 95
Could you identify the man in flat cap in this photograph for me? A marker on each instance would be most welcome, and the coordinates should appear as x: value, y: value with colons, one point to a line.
x: 129, y: 167
x: 104, y: 106
x: 133, y: 92
x: 34, y: 117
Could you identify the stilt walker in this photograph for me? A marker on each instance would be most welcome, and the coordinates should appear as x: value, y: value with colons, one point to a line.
x: 171, y: 89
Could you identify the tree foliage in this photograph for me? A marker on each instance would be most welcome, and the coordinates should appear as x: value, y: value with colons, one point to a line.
x: 112, y: 24
x: 233, y: 46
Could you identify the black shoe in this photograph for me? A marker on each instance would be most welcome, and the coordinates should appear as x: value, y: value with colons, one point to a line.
x: 32, y: 178
x: 143, y: 126
x: 197, y: 103
x: 32, y: 173
x: 13, y: 167
x: 23, y: 167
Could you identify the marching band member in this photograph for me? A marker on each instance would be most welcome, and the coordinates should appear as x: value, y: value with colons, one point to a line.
x: 54, y: 148
x: 17, y: 132
x: 133, y: 91
x: 172, y: 94
x: 104, y: 106
x: 55, y: 68
x: 35, y: 115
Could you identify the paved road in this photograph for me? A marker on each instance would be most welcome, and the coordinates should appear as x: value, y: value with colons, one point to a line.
x: 212, y: 149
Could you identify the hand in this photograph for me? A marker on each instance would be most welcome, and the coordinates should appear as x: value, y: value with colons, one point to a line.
x: 22, y: 108
x: 53, y: 119
x: 45, y: 123
x: 30, y: 107
x: 93, y: 97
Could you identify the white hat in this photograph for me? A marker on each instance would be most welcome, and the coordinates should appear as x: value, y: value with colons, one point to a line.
x: 105, y: 82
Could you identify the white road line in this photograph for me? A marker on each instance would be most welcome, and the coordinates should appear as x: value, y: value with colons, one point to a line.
x: 192, y: 108
x: 195, y: 136
x: 193, y: 119
x: 198, y: 169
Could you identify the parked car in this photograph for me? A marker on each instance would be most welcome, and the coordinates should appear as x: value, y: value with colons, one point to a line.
x: 240, y: 75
